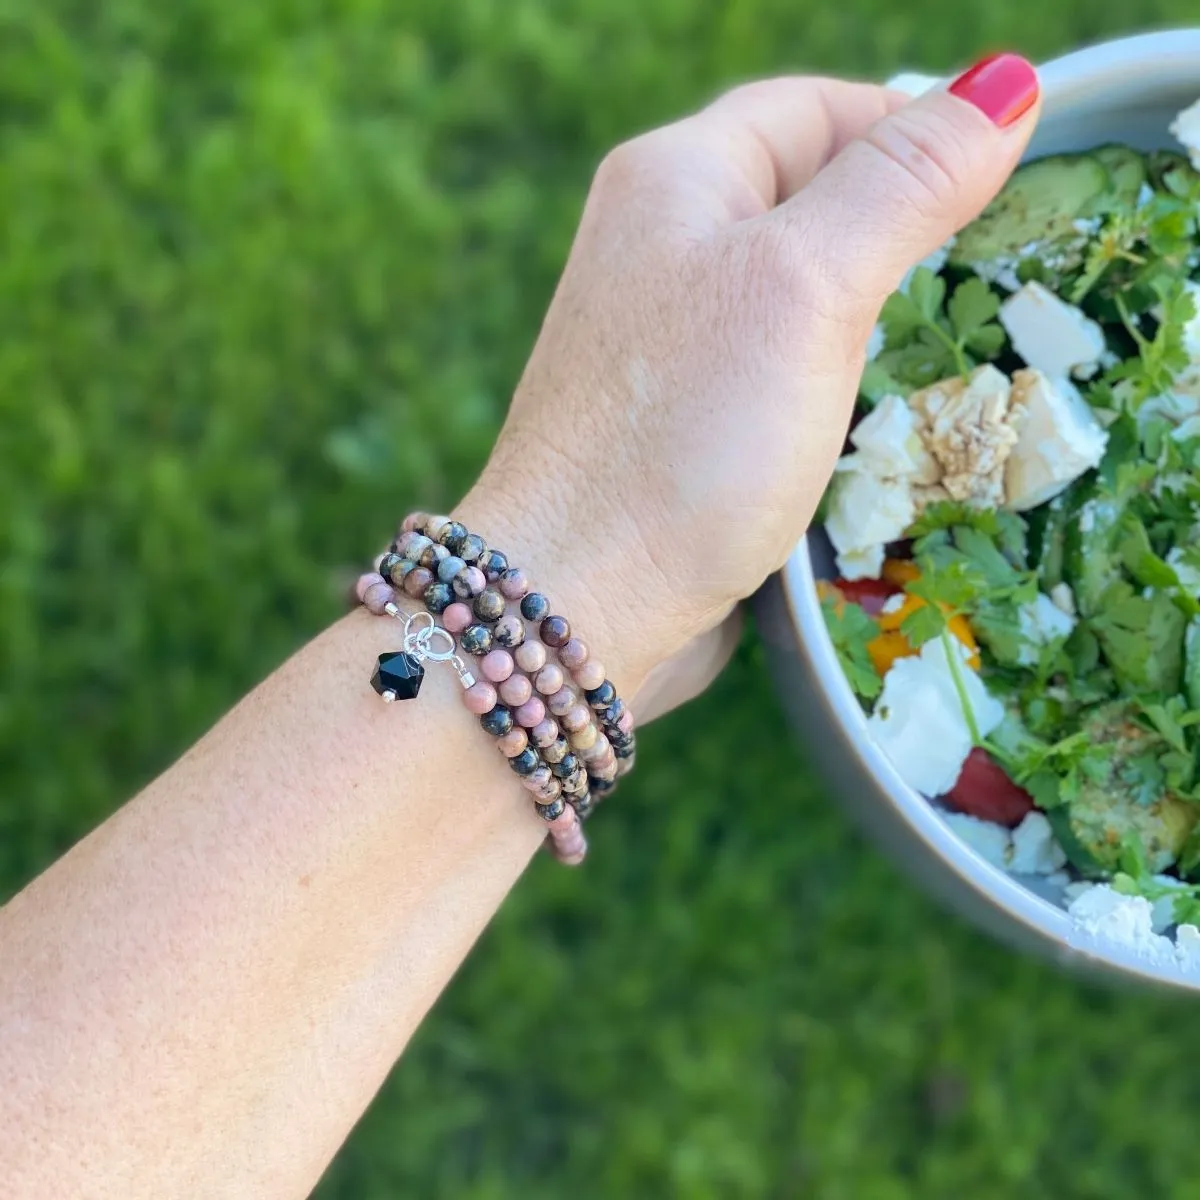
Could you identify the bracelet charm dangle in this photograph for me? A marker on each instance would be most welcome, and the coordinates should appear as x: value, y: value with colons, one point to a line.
x: 399, y: 673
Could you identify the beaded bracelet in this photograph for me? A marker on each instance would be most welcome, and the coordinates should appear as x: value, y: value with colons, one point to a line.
x: 459, y: 578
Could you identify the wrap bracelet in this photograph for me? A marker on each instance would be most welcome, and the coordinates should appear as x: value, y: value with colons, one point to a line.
x: 560, y: 724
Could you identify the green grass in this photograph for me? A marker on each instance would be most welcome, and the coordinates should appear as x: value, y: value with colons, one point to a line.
x: 268, y: 272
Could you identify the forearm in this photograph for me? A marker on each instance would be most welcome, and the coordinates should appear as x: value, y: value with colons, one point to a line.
x: 215, y: 982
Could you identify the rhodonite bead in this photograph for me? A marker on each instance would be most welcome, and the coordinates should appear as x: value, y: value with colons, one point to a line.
x: 475, y: 639
x: 515, y: 690
x: 535, y: 607
x: 513, y: 742
x: 514, y: 584
x: 551, y: 811
x: 563, y: 701
x: 605, y: 772
x: 473, y: 548
x: 433, y: 525
x: 438, y: 597
x: 555, y: 631
x: 469, y: 582
x: 480, y: 698
x: 601, y: 697
x: 526, y: 762
x: 550, y: 790
x: 499, y: 721
x: 585, y: 738
x: 415, y: 545
x: 613, y: 713
x: 510, y: 631
x: 572, y: 653
x: 412, y: 521
x: 388, y: 561
x: 590, y: 675
x: 452, y: 536
x: 433, y: 556
x: 417, y: 582
x: 557, y: 750
x: 549, y: 679
x: 449, y: 567
x: 377, y: 597
x: 544, y: 733
x: 457, y: 617
x: 576, y: 783
x: 575, y: 718
x: 625, y: 723
x: 601, y: 787
x: 538, y: 778
x: 625, y: 752
x: 489, y: 605
x: 531, y: 655
x: 531, y: 713
x: 365, y: 581
x: 566, y: 766
x: 493, y: 564
x: 497, y: 665
x: 400, y: 571
x: 582, y: 804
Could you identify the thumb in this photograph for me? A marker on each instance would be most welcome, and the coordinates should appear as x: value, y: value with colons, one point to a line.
x: 912, y: 180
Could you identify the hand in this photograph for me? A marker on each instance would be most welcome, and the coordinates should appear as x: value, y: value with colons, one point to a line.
x: 694, y: 379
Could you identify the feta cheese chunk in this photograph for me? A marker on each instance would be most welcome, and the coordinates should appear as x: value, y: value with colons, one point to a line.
x: 1059, y: 440
x: 1063, y: 598
x: 990, y: 841
x: 866, y: 512
x: 1039, y: 623
x: 1186, y: 130
x: 1052, y: 336
x: 919, y: 721
x: 1034, y: 849
x: 1187, y: 947
x: 1105, y: 914
x: 887, y: 441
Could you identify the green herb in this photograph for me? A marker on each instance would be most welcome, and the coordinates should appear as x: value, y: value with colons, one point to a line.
x: 1142, y: 638
x: 850, y: 629
x: 1053, y: 772
x: 1160, y: 358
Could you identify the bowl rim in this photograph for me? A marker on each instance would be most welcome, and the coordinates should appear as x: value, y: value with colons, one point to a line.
x: 1071, y: 83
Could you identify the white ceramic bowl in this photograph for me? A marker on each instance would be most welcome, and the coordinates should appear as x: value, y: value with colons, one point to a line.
x: 1121, y: 91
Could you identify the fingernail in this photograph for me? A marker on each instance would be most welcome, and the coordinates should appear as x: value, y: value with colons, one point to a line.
x: 1003, y: 88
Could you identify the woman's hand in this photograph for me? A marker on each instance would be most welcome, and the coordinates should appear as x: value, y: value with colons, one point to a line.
x: 693, y: 382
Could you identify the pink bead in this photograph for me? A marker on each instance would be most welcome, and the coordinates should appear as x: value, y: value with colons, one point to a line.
x: 411, y: 522
x: 513, y: 584
x: 625, y: 724
x: 364, y: 582
x: 531, y: 713
x: 377, y: 561
x: 537, y: 778
x: 549, y: 679
x: 598, y: 751
x: 544, y: 733
x: 432, y: 525
x: 480, y: 698
x: 417, y: 581
x: 457, y: 617
x: 513, y: 742
x: 531, y: 656
x: 571, y: 855
x: 496, y: 665
x: 590, y: 675
x: 575, y: 718
x: 563, y: 701
x: 378, y: 596
x: 550, y: 790
x: 470, y: 581
x: 572, y: 654
x: 566, y: 823
x: 585, y: 737
x: 606, y: 771
x: 515, y: 690
x: 510, y: 631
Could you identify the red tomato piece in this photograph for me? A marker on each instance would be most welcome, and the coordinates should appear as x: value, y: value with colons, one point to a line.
x: 869, y: 594
x: 983, y: 790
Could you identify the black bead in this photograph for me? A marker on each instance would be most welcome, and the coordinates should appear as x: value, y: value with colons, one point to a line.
x: 555, y: 631
x: 388, y: 561
x: 499, y: 721
x: 476, y: 639
x: 472, y: 549
x: 553, y: 810
x: 438, y: 597
x: 602, y: 786
x: 624, y: 751
x: 565, y: 767
x: 434, y: 554
x: 399, y: 572
x: 614, y: 712
x: 453, y: 536
x: 489, y: 605
x: 398, y: 673
x: 601, y: 697
x: 582, y: 804
x: 535, y: 607
x: 493, y: 564
x: 526, y: 762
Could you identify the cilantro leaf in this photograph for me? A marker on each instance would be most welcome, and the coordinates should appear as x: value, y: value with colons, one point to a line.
x: 850, y: 629
x: 972, y: 306
x: 1142, y: 638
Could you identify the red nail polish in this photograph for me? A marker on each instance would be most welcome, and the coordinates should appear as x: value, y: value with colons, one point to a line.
x: 1003, y: 88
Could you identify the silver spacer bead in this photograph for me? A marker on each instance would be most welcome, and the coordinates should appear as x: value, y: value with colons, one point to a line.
x: 387, y: 697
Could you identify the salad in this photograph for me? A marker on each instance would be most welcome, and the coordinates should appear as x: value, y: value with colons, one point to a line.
x: 1016, y: 524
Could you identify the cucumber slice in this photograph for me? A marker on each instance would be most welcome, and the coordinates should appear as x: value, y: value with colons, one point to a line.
x: 1038, y: 205
x: 1126, y: 171
x: 1171, y: 172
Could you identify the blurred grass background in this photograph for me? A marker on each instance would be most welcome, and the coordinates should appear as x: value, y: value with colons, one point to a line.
x: 267, y: 274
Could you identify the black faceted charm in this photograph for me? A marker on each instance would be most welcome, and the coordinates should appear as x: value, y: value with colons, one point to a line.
x: 398, y: 676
